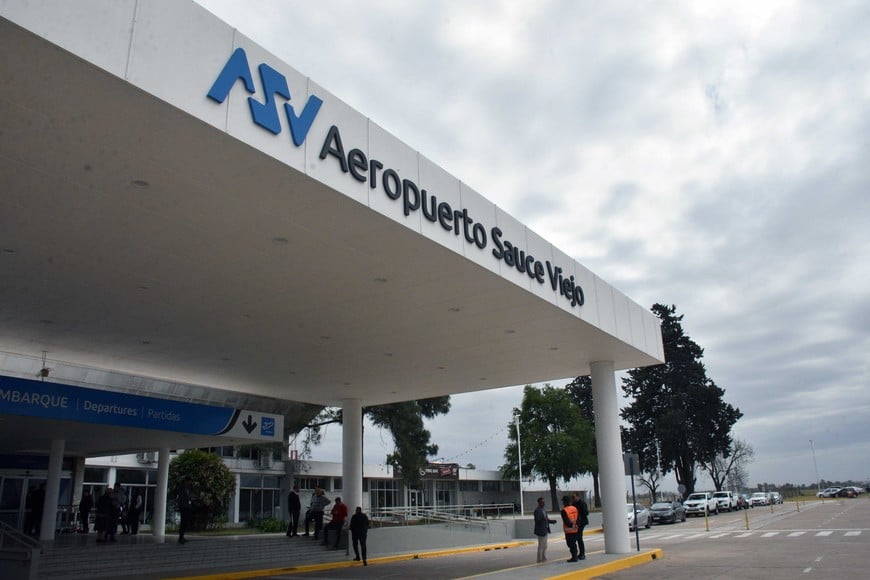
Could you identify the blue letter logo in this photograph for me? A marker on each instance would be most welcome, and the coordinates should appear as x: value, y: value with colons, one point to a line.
x: 267, y: 427
x: 274, y: 83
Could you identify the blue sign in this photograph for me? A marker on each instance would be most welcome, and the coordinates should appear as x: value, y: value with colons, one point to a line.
x: 265, y: 114
x: 29, y: 398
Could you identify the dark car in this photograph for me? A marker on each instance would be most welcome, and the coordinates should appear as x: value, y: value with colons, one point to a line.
x: 667, y: 512
x: 847, y: 492
x: 743, y: 502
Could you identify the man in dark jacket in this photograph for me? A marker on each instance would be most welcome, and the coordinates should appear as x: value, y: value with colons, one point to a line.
x: 185, y: 507
x: 294, y: 506
x: 582, y: 522
x: 542, y: 528
x: 359, y: 529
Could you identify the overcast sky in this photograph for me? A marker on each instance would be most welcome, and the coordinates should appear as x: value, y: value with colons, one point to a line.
x: 711, y: 155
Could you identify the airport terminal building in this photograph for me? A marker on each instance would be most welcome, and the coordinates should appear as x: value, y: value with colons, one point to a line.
x: 202, y: 247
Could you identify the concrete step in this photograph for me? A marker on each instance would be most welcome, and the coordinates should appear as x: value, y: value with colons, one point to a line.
x: 82, y: 557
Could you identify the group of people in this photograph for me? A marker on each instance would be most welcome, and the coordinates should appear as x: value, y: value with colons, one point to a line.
x: 113, y: 509
x: 359, y: 522
x: 575, y: 517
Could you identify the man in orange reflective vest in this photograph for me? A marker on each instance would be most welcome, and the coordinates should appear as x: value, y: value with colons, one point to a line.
x: 569, y: 525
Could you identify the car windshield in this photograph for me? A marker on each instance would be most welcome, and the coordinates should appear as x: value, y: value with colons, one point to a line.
x: 697, y: 496
x: 759, y: 494
x: 629, y: 506
x: 660, y: 506
x: 720, y: 494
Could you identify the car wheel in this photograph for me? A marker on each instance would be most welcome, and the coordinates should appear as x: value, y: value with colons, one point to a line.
x: 649, y: 523
x: 684, y: 516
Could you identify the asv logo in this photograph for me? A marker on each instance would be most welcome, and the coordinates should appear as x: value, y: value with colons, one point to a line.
x: 274, y: 83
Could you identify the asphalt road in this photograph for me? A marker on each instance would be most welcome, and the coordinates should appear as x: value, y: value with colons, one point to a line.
x: 825, y: 540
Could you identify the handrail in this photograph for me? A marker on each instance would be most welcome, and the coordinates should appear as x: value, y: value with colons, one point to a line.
x: 12, y: 538
x: 474, y: 514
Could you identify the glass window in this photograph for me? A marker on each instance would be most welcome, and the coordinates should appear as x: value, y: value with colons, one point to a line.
x: 469, y: 485
x: 490, y: 485
x: 336, y: 483
x: 125, y: 476
x: 96, y: 475
x: 247, y: 480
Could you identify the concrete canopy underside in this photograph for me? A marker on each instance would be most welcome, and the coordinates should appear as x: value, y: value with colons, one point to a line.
x: 135, y: 238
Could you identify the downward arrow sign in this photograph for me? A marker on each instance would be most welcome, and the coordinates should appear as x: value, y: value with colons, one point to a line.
x: 250, y: 424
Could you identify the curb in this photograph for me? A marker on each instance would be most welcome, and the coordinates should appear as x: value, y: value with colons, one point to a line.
x: 615, y: 566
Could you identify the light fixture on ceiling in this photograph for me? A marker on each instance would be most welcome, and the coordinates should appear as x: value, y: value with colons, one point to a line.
x: 454, y: 309
x: 280, y: 240
x: 44, y: 371
x: 140, y: 183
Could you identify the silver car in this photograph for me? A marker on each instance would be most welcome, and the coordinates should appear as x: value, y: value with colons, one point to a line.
x: 637, y: 515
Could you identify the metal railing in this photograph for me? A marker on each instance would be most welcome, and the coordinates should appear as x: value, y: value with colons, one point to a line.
x: 474, y: 514
x: 12, y: 540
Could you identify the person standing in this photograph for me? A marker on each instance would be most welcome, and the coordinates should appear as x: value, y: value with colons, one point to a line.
x: 339, y: 515
x: 85, y: 506
x: 295, y: 506
x: 315, y: 511
x: 569, y: 525
x: 104, y: 515
x: 122, y: 507
x: 185, y: 507
x: 134, y: 511
x: 38, y: 509
x: 582, y: 522
x: 542, y: 528
x: 359, y: 530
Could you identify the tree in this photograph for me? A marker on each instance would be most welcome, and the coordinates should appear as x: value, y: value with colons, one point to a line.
x: 213, y: 485
x: 650, y: 473
x: 555, y: 440
x: 731, y: 465
x: 403, y: 420
x: 676, y: 408
x: 580, y: 390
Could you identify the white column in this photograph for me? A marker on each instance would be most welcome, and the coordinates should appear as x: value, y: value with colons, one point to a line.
x: 78, y: 480
x: 52, y: 491
x: 351, y: 453
x: 158, y: 514
x: 610, y: 468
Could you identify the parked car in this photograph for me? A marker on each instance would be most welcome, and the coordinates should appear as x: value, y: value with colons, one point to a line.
x: 829, y: 492
x: 758, y: 498
x: 667, y: 512
x: 847, y: 492
x: 743, y: 501
x: 637, y: 516
x: 725, y: 500
x: 701, y: 503
x: 774, y: 497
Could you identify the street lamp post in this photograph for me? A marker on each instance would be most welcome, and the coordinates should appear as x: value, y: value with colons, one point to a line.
x: 816, y: 467
x: 519, y: 461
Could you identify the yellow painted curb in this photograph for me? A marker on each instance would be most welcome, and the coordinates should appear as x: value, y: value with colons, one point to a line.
x: 614, y: 566
x: 351, y: 563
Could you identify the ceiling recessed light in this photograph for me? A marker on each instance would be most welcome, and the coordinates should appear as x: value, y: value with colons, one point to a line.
x: 388, y: 354
x: 10, y: 251
x: 145, y: 342
x: 141, y: 183
x: 324, y: 337
x: 225, y: 358
x: 347, y: 384
x: 554, y: 348
x: 47, y: 321
x: 510, y: 331
x: 280, y: 240
x: 454, y: 309
x: 381, y: 280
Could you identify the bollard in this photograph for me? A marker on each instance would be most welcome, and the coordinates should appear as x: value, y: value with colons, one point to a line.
x: 707, y: 519
x: 746, y: 515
